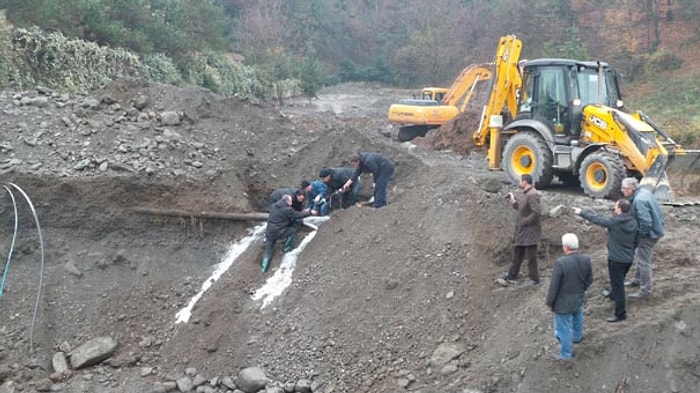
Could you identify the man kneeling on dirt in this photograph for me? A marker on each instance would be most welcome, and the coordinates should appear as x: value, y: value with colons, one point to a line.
x: 282, y: 221
x: 335, y: 179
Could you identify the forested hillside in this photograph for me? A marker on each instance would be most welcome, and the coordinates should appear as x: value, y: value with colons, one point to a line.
x: 403, y: 43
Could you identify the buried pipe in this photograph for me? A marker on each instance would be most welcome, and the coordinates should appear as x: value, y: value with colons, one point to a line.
x: 203, y: 214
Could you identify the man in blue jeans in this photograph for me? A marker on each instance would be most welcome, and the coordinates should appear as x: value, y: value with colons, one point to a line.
x: 381, y: 169
x: 571, y: 276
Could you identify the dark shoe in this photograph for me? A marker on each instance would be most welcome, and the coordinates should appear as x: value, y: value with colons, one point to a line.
x: 615, y: 319
x: 530, y: 283
x: 579, y: 341
x: 632, y: 283
x: 639, y: 295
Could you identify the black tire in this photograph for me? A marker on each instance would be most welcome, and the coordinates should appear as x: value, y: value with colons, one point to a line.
x: 527, y: 153
x: 601, y: 175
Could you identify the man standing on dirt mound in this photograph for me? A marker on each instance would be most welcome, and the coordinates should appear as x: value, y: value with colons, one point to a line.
x: 571, y: 276
x: 381, y: 169
x: 528, y: 232
x: 650, y: 218
x: 622, y: 240
x: 282, y: 221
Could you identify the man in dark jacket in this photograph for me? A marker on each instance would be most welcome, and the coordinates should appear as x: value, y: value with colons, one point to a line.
x: 622, y: 240
x: 528, y: 231
x: 571, y: 276
x: 650, y: 218
x: 335, y: 179
x: 298, y: 197
x: 282, y: 222
x: 381, y: 169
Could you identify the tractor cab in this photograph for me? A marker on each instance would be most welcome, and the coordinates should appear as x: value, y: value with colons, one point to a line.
x: 555, y: 91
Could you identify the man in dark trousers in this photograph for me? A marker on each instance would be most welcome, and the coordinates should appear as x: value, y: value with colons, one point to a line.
x: 622, y: 240
x: 528, y: 231
x: 381, y: 169
x: 282, y: 222
x: 298, y: 197
x: 571, y: 276
x: 335, y: 179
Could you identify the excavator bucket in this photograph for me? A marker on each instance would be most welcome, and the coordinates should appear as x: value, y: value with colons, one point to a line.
x: 683, y: 170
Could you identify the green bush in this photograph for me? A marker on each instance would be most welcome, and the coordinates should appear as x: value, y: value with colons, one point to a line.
x: 162, y: 69
x: 661, y: 61
x: 55, y: 61
x: 6, y: 54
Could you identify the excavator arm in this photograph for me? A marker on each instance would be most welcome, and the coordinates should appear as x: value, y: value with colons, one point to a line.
x: 462, y: 89
x: 503, y: 95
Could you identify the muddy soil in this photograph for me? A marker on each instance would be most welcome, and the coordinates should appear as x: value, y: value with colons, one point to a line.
x: 397, y: 299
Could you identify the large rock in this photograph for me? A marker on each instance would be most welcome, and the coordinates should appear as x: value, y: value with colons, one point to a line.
x: 92, y: 352
x: 252, y: 380
x: 444, y: 353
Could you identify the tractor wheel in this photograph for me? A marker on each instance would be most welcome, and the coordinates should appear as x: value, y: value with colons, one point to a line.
x: 527, y: 153
x: 601, y: 175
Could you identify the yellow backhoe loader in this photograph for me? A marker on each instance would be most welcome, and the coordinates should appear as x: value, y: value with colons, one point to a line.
x: 416, y: 117
x: 565, y: 118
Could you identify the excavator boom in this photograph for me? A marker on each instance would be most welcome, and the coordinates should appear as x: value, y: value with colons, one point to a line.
x: 416, y: 117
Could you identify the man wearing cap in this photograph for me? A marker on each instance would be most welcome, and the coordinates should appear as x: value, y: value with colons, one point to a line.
x: 298, y: 197
x: 335, y: 179
x: 317, y: 196
x: 381, y: 169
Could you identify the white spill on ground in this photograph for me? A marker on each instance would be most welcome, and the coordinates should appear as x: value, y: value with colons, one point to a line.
x: 280, y: 280
x: 274, y: 286
x: 233, y: 253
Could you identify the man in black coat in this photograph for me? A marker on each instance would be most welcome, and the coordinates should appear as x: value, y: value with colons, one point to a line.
x: 335, y: 179
x: 282, y: 222
x: 381, y: 169
x: 571, y: 276
x: 623, y: 236
x: 298, y: 197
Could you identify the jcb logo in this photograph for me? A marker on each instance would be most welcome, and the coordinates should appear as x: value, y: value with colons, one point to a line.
x: 598, y: 122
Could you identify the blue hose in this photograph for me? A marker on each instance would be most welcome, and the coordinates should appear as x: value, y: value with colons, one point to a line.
x: 12, y: 246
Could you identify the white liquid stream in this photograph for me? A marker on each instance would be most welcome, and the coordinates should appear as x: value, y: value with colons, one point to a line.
x: 274, y: 286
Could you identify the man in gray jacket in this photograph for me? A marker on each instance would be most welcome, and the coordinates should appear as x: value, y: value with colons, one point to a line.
x: 571, y: 276
x: 622, y: 240
x: 650, y: 218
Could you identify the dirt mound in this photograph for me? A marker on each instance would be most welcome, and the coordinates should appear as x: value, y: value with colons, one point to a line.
x: 396, y: 299
x: 455, y: 135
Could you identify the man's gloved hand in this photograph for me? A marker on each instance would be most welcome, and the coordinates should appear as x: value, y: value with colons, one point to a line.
x: 318, y: 198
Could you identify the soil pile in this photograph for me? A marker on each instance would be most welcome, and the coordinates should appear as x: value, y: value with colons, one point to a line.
x: 455, y: 135
x: 396, y: 299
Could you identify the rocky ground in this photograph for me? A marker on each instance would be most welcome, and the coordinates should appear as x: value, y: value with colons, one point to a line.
x: 397, y: 299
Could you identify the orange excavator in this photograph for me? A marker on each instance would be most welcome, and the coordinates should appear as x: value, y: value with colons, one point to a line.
x: 565, y: 118
x: 415, y: 117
